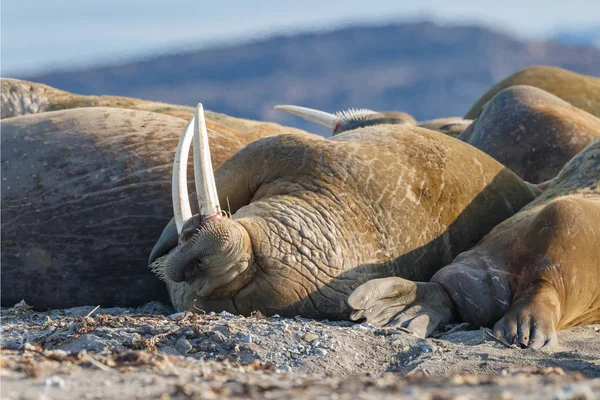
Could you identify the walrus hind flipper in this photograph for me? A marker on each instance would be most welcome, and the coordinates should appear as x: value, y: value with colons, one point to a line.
x: 418, y: 306
x: 531, y: 320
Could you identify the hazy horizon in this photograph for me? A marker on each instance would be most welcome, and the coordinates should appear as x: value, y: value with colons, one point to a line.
x: 40, y: 36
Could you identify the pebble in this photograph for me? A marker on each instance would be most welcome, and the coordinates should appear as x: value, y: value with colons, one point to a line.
x: 183, y: 345
x: 246, y: 338
x: 574, y: 391
x: 320, y: 352
x: 60, y: 353
x: 425, y: 348
x: 226, y: 315
x: 177, y: 315
x: 55, y: 381
x: 285, y: 368
x: 309, y: 337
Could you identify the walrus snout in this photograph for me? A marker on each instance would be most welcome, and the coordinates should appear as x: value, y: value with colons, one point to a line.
x: 213, y: 254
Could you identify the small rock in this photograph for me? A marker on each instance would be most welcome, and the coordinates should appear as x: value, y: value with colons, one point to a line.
x: 309, y: 337
x: 320, y: 352
x: 301, y: 348
x: 177, y: 315
x: 29, y: 346
x: 575, y: 391
x: 183, y: 346
x: 276, y: 316
x: 286, y: 368
x: 226, y: 315
x: 218, y: 336
x: 60, y: 353
x: 246, y: 338
x: 425, y: 348
x: 504, y: 395
x: 55, y: 381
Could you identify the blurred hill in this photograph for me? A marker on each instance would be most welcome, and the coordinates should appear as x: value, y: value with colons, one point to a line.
x: 423, y: 68
x: 585, y: 36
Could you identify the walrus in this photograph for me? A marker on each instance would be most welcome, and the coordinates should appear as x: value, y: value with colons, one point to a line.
x: 582, y: 91
x: 531, y: 131
x: 24, y: 97
x: 533, y: 274
x: 312, y: 218
x: 347, y: 120
x: 85, y: 193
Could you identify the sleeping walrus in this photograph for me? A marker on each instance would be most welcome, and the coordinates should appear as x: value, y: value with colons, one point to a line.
x: 313, y: 218
x: 533, y: 274
x: 532, y: 132
x: 582, y: 91
x: 85, y: 193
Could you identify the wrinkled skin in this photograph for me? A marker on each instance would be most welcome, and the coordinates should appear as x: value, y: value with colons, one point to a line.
x: 314, y: 218
x: 582, y: 91
x: 85, y: 193
x: 532, y: 275
x: 532, y: 132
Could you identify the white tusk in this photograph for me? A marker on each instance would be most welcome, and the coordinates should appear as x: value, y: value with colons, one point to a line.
x: 312, y: 115
x: 206, y: 189
x: 181, y: 200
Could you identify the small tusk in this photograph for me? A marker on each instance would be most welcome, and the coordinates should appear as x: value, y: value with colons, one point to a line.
x: 179, y: 190
x: 206, y: 189
x: 312, y: 115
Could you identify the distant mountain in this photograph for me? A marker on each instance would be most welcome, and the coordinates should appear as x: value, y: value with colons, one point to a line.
x: 589, y: 36
x: 423, y: 68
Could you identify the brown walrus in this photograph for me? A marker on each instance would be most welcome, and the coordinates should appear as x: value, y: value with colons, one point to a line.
x: 531, y: 131
x: 582, y: 91
x: 24, y: 97
x: 313, y: 218
x: 533, y: 274
x: 347, y: 120
x: 85, y: 193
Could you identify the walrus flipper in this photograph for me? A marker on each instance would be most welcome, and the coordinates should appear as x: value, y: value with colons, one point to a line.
x: 418, y: 306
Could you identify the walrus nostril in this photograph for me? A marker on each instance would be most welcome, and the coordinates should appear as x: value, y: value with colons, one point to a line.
x: 187, y: 273
x: 192, y: 271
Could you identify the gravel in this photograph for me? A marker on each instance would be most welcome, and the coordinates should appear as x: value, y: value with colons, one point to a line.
x: 152, y: 352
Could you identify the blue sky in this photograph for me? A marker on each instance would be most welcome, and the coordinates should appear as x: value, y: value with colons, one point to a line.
x: 38, y: 35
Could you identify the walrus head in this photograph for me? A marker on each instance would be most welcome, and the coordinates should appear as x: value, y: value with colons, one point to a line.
x: 208, y: 241
x: 347, y: 120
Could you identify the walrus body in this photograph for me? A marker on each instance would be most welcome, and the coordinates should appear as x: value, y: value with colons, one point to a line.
x: 582, y: 91
x: 24, y: 97
x: 532, y: 132
x: 316, y: 217
x: 85, y: 193
x: 533, y: 274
